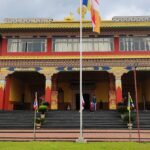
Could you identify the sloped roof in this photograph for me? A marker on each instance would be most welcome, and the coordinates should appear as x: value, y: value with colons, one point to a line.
x: 73, y: 25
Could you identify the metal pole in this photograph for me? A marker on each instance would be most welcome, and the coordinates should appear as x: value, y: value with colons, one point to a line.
x: 81, y: 138
x: 129, y: 125
x: 137, y: 106
x: 144, y: 102
x: 34, y: 131
x: 34, y: 138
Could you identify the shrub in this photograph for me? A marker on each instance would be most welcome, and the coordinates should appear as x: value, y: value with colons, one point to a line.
x: 38, y: 120
x: 45, y: 103
x: 126, y: 117
x: 122, y: 109
x: 42, y: 109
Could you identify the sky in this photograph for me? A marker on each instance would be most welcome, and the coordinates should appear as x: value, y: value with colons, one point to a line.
x: 58, y: 9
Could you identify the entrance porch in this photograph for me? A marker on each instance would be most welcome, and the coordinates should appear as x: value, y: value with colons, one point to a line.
x: 21, y: 88
x: 94, y: 83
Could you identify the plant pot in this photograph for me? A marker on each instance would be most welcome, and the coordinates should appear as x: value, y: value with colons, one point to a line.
x: 130, y: 125
x: 38, y: 125
x: 42, y: 116
x: 122, y: 116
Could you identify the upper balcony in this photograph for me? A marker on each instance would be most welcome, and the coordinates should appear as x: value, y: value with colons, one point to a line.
x: 127, y: 38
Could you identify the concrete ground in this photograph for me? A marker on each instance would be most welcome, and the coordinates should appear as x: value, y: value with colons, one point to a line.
x: 73, y: 135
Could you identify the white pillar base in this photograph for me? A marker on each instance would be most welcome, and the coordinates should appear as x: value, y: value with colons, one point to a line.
x: 81, y: 140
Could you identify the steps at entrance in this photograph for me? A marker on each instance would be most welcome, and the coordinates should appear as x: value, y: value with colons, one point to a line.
x: 144, y: 120
x: 16, y: 119
x: 70, y: 120
x: 91, y: 120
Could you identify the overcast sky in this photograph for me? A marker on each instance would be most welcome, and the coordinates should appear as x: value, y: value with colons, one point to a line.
x: 58, y: 9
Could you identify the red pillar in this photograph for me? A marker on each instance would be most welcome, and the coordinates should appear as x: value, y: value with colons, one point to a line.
x: 0, y: 46
x: 49, y: 45
x: 116, y: 44
x: 48, y: 89
x: 1, y: 98
x: 2, y: 90
x: 48, y: 94
x: 4, y: 45
x: 118, y: 89
x: 7, y: 104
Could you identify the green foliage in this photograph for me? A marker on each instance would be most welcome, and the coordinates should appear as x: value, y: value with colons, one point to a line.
x: 126, y: 117
x: 42, y: 120
x: 38, y: 120
x: 45, y: 103
x: 122, y: 108
x: 42, y: 109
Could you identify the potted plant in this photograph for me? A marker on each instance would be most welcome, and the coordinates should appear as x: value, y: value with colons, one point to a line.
x: 42, y: 109
x: 133, y: 117
x: 122, y: 110
x: 45, y: 103
x: 38, y: 123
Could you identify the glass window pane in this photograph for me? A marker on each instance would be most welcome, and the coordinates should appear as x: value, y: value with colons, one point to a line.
x: 88, y: 45
x: 135, y: 44
x: 27, y: 45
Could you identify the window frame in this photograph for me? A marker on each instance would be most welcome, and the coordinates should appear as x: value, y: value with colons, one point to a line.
x: 85, y: 43
x: 26, y: 41
x: 136, y: 41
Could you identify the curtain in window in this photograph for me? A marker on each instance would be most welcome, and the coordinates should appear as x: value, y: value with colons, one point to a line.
x: 27, y: 45
x: 88, y: 45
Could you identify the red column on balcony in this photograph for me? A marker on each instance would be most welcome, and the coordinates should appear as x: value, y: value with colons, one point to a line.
x: 116, y: 44
x: 4, y: 46
x: 0, y: 46
x: 49, y: 45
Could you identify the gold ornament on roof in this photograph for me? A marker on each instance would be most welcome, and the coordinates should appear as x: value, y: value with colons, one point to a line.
x: 69, y: 18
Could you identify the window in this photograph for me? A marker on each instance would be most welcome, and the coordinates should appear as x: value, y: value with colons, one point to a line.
x: 135, y: 43
x: 89, y: 44
x: 27, y: 45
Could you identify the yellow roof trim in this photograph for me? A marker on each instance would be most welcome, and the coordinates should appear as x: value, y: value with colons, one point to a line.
x: 71, y: 24
x: 72, y: 57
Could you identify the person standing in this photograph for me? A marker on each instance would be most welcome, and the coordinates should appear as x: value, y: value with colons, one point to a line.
x: 91, y: 106
x: 94, y: 102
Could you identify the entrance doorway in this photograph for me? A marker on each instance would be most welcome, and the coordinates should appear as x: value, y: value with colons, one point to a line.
x: 86, y: 98
x: 23, y: 86
x: 143, y: 88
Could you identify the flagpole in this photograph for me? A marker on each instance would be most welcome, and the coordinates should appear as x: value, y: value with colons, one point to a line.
x: 137, y: 106
x: 34, y: 125
x: 129, y: 124
x: 81, y: 138
x: 81, y: 114
x: 34, y: 131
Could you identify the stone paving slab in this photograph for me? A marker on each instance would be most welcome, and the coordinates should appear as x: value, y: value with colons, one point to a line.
x: 72, y: 135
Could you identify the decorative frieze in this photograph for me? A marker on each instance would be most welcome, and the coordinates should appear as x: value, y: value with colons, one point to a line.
x: 143, y: 62
x: 3, y: 74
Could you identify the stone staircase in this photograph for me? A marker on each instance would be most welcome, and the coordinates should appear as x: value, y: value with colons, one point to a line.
x: 144, y: 120
x: 91, y: 120
x: 16, y: 119
x: 70, y: 120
